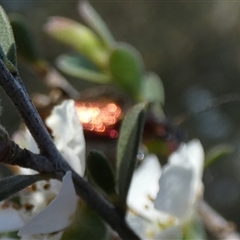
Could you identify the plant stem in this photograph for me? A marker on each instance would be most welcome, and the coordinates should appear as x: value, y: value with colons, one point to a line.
x: 107, y: 211
x: 216, y: 225
x: 16, y: 91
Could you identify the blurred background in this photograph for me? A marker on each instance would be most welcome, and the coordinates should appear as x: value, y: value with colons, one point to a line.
x: 193, y: 46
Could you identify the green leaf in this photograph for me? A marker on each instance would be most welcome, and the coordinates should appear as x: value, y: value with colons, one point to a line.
x: 79, y: 37
x: 94, y: 20
x: 26, y: 43
x: 7, y: 41
x: 87, y: 225
x: 9, y: 235
x: 128, y: 145
x: 13, y: 184
x: 153, y: 89
x: 6, y: 61
x: 101, y: 172
x: 76, y: 67
x: 127, y: 69
x: 217, y: 153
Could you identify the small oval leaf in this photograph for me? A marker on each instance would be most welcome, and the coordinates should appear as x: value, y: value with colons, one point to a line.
x: 13, y: 184
x: 128, y: 145
x: 78, y: 37
x: 74, y: 66
x: 26, y: 43
x: 7, y: 41
x: 101, y: 172
x: 153, y: 89
x: 127, y: 68
x: 93, y: 19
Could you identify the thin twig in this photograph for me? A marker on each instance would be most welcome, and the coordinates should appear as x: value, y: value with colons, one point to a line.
x: 53, y: 79
x: 216, y: 225
x: 213, y: 103
x: 16, y: 91
x: 11, y: 153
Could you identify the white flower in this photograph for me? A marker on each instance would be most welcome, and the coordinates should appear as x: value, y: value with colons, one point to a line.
x: 68, y: 137
x: 51, y: 209
x: 10, y: 219
x: 57, y: 216
x: 180, y: 182
x: 68, y: 134
x: 161, y: 212
x: 144, y: 186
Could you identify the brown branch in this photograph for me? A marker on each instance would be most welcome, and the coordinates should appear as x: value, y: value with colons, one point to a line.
x: 16, y: 91
x: 216, y: 225
x: 11, y: 153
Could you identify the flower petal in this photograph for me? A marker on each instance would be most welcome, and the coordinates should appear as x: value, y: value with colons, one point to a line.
x: 155, y: 228
x: 57, y: 215
x: 25, y: 140
x: 144, y: 186
x: 175, y: 192
x: 174, y: 232
x: 137, y: 223
x: 68, y: 134
x: 181, y: 182
x: 191, y: 154
x: 10, y: 220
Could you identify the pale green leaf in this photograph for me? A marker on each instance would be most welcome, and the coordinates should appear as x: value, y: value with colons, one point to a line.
x: 153, y: 89
x: 94, y: 20
x: 128, y: 145
x: 7, y: 42
x: 79, y: 37
x: 74, y: 66
x: 127, y: 69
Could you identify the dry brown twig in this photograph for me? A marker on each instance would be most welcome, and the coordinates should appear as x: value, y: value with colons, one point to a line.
x: 216, y: 225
